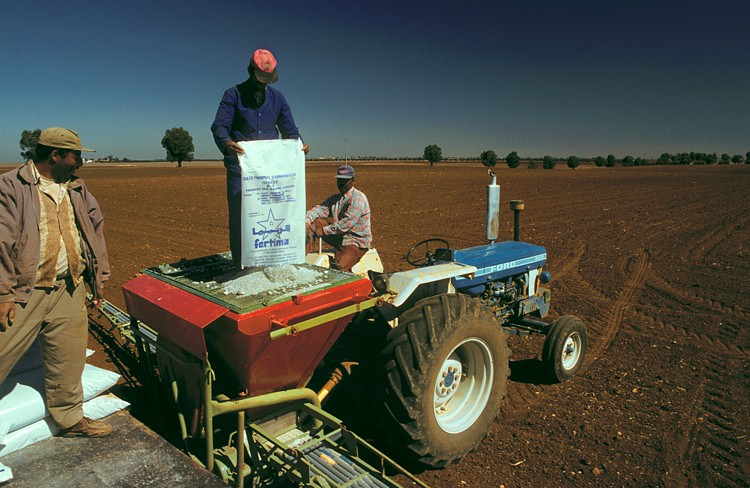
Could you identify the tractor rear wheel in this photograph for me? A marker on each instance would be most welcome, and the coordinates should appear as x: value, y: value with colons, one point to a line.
x: 446, y: 368
x: 564, y: 348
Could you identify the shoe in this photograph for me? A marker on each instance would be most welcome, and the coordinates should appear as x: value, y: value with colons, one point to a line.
x: 87, y: 428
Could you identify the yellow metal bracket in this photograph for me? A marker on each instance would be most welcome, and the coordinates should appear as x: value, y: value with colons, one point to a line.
x: 295, y: 329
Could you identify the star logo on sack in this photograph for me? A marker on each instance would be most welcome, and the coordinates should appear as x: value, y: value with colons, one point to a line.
x: 271, y: 224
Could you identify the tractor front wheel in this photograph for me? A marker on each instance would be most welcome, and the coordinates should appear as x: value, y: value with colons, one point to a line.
x: 564, y: 348
x: 446, y: 371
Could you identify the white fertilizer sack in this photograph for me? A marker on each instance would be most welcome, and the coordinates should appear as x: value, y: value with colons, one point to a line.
x: 273, y: 202
x: 5, y: 473
x: 96, y: 408
x: 22, y: 395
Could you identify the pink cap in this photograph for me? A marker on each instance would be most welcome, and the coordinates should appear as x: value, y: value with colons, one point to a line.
x: 264, y: 65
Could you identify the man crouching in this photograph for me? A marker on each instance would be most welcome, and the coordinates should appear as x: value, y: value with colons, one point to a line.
x: 342, y: 221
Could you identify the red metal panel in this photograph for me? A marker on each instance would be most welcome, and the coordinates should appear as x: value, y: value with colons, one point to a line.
x: 263, y: 366
x: 172, y: 312
x: 240, y: 344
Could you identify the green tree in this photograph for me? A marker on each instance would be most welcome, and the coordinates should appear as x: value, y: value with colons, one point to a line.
x: 28, y: 141
x: 548, y: 162
x: 573, y: 162
x: 663, y: 159
x: 599, y: 161
x: 683, y: 158
x: 627, y: 161
x: 532, y: 164
x: 747, y: 158
x: 489, y: 158
x: 513, y: 159
x: 179, y: 145
x: 433, y: 154
x: 737, y: 159
x: 724, y: 158
x: 712, y: 158
x: 611, y: 161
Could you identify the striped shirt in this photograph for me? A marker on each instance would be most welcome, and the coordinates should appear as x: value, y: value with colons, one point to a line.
x: 351, y: 217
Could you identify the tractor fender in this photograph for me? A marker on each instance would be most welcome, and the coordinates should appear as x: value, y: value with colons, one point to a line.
x: 405, y: 288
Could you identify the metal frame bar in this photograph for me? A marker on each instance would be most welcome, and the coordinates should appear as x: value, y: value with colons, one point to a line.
x: 292, y: 330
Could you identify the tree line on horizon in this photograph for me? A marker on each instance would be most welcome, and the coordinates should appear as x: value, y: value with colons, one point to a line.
x: 179, y: 147
x: 433, y: 154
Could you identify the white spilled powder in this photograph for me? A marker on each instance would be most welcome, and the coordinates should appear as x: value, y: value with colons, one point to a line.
x: 274, y: 279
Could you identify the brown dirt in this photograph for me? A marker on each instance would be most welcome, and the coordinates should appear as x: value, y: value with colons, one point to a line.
x: 654, y: 259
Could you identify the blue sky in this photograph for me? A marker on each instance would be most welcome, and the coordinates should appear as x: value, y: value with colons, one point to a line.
x: 538, y: 77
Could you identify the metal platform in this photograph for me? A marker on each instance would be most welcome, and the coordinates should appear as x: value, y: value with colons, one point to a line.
x: 132, y: 456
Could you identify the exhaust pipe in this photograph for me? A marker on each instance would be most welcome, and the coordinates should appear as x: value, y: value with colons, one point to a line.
x: 517, y: 207
x: 493, y: 209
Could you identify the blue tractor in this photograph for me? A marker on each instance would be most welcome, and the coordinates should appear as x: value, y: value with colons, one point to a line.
x: 445, y: 359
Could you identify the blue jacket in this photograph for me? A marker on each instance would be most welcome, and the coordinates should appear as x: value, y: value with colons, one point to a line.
x: 237, y: 120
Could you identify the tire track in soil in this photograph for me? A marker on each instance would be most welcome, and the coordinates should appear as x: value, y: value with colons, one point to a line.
x: 617, y: 314
x: 727, y: 347
x: 685, y: 445
x: 572, y: 262
x: 697, y: 302
x: 713, y: 450
x: 726, y: 339
x: 699, y: 248
x: 710, y: 447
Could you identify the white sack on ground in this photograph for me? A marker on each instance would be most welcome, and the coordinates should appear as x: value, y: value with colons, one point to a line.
x: 5, y: 473
x: 22, y: 395
x: 273, y: 202
x: 96, y: 408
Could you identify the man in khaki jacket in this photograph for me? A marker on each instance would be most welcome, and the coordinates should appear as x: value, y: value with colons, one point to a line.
x: 51, y: 241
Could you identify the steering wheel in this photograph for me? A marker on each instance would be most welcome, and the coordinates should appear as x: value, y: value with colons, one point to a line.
x: 422, y: 253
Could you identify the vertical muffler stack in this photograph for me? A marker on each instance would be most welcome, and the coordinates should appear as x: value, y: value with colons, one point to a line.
x: 493, y: 208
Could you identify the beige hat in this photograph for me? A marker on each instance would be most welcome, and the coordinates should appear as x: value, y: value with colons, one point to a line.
x: 60, y: 138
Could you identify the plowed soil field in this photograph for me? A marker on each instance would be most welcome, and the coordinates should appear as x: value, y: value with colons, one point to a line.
x: 655, y: 260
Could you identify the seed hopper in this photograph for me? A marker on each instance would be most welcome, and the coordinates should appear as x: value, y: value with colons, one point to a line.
x: 263, y: 347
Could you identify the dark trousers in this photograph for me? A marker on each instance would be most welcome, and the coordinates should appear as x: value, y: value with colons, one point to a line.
x: 234, y: 202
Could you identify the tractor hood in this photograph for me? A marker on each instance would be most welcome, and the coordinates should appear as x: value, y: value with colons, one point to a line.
x: 496, y: 262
